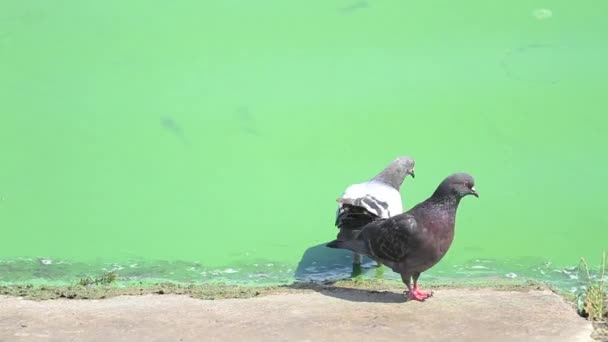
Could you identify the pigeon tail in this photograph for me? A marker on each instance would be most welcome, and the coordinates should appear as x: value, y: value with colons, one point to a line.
x: 357, y: 246
x: 335, y: 244
x: 353, y: 218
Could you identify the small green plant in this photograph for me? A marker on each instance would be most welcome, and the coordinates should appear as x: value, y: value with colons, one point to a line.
x: 592, y: 301
x: 108, y: 278
x: 105, y: 279
x: 86, y: 281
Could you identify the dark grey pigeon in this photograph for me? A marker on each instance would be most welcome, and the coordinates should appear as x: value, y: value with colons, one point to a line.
x: 378, y: 198
x: 412, y: 242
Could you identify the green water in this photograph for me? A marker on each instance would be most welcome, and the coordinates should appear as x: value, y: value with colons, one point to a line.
x: 203, y: 138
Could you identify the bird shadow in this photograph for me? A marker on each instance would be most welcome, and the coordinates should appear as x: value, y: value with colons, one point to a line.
x: 320, y: 263
x: 361, y: 295
x: 320, y: 267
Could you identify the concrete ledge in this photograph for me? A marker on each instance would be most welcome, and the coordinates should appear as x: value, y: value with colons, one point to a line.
x: 337, y: 314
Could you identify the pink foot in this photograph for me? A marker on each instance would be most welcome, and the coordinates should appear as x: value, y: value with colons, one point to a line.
x: 417, y: 294
x: 411, y: 295
x: 425, y: 294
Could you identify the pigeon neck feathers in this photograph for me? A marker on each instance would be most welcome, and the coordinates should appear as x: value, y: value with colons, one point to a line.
x: 445, y: 196
x: 454, y: 188
x: 443, y: 200
x: 393, y: 175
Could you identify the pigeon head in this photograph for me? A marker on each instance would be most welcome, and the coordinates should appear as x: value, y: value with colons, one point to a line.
x: 457, y: 185
x: 395, y: 173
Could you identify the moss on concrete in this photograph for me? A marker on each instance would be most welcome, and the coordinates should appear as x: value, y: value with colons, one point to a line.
x: 221, y: 291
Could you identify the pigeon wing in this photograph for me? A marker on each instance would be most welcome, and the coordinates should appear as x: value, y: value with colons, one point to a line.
x: 391, y: 239
x: 365, y: 202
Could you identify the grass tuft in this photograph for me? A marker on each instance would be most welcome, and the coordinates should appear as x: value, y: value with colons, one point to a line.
x: 105, y: 279
x: 592, y: 300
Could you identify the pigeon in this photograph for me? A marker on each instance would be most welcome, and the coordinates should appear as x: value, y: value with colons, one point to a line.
x: 412, y: 242
x: 378, y: 198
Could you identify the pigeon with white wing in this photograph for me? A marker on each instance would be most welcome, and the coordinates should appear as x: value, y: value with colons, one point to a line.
x: 378, y: 198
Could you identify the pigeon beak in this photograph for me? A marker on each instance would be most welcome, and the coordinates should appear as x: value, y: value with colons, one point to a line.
x: 411, y: 172
x: 474, y: 192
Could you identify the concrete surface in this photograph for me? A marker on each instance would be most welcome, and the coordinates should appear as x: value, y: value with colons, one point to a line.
x: 336, y: 315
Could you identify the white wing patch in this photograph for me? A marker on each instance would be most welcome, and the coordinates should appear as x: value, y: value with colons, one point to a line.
x: 377, y: 198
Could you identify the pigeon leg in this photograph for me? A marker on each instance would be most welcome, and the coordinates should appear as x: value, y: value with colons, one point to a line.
x: 356, y: 272
x: 411, y: 293
x: 424, y: 294
x: 356, y: 258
